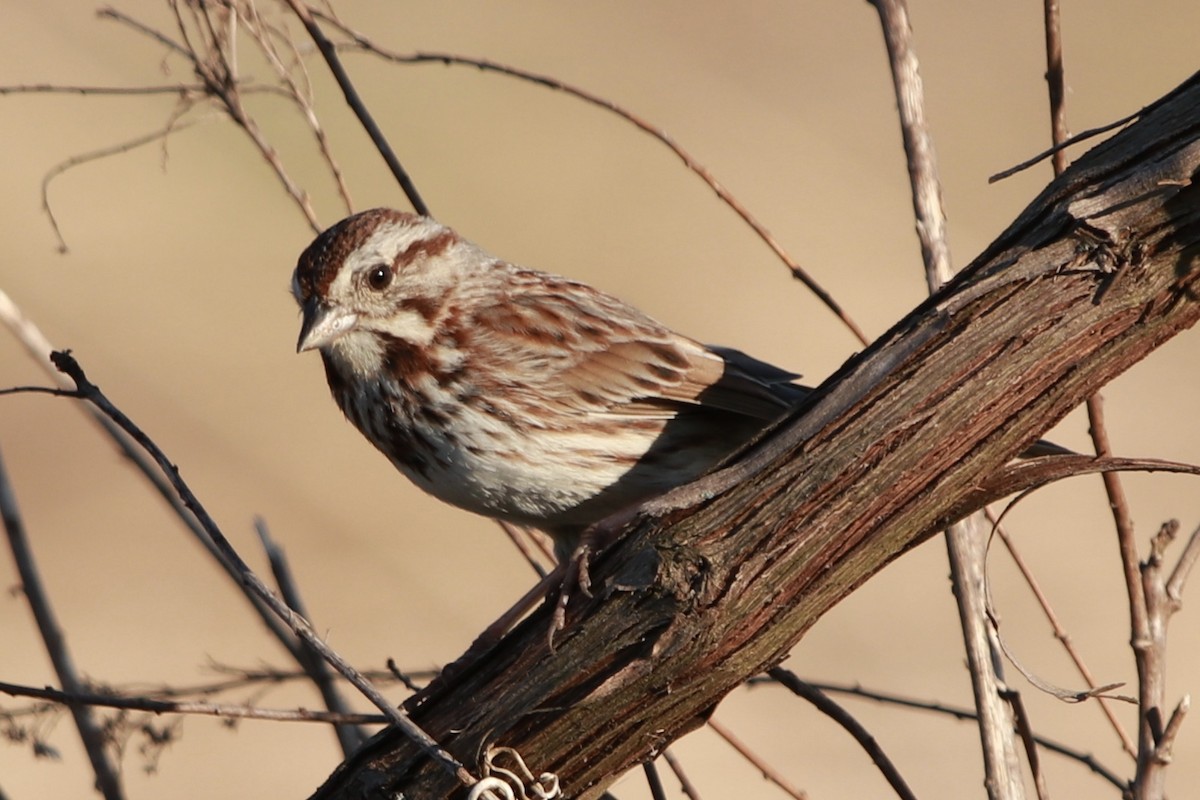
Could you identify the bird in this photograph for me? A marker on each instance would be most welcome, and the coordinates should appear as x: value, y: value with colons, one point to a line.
x: 513, y: 393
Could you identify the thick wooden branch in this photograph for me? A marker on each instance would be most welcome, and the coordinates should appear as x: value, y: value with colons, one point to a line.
x: 717, y: 582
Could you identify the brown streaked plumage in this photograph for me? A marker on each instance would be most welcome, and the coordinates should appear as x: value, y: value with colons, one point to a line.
x: 514, y: 393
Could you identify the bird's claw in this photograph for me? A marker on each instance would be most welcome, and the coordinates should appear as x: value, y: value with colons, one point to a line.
x: 575, y: 576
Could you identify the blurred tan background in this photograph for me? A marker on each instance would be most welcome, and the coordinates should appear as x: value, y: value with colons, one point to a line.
x: 174, y: 297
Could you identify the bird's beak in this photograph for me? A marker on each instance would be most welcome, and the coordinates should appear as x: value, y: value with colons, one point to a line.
x: 323, y: 325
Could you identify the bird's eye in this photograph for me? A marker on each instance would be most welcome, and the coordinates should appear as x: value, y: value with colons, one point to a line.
x: 379, y: 277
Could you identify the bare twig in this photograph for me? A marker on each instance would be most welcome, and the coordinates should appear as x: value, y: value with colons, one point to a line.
x: 918, y: 142
x: 842, y: 717
x: 161, y: 134
x: 685, y: 783
x: 329, y: 53
x: 1040, y: 683
x: 362, y: 42
x: 768, y: 771
x: 404, y: 676
x: 300, y: 96
x: 83, y: 700
x: 39, y: 348
x: 957, y: 712
x: 1057, y: 91
x: 1056, y: 83
x: 251, y: 581
x: 109, y: 12
x: 1161, y: 597
x: 965, y: 540
x: 1025, y: 731
x: 657, y: 792
x: 518, y: 537
x: 1061, y: 634
x: 211, y: 52
x: 184, y: 89
x: 90, y: 731
x: 1149, y: 693
x: 1090, y: 133
x: 213, y: 64
x: 349, y: 737
x: 1183, y: 568
x: 248, y: 678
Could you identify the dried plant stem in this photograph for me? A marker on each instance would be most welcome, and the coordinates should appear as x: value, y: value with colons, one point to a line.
x: 965, y: 541
x: 852, y: 726
x: 685, y: 783
x: 301, y: 96
x: 218, y: 73
x: 1061, y: 633
x: 184, y: 89
x: 1153, y: 598
x: 657, y: 792
x: 887, y: 698
x: 39, y: 348
x: 173, y: 124
x: 522, y: 540
x: 1055, y: 83
x: 769, y: 772
x: 84, y: 700
x: 90, y: 731
x: 350, y: 737
x: 329, y: 53
x: 1059, y: 135
x: 361, y: 42
x: 299, y: 626
x: 1090, y: 133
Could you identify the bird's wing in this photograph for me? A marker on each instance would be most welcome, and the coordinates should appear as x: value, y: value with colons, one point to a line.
x: 589, y: 350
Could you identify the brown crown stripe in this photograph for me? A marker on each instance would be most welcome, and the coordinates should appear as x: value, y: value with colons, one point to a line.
x: 320, y: 262
x: 424, y: 248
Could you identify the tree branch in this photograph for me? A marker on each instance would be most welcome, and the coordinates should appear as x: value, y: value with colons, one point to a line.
x: 108, y: 781
x: 718, y: 580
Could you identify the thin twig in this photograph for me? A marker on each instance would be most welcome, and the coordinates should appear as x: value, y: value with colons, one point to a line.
x: 1139, y: 623
x: 214, y: 61
x: 109, y: 12
x: 1057, y: 94
x: 84, y: 700
x: 249, y: 678
x: 52, y: 88
x: 768, y: 771
x: 518, y: 537
x: 1090, y: 133
x: 842, y: 717
x: 957, y: 712
x: 1183, y: 568
x: 65, y: 362
x: 918, y: 142
x: 349, y: 737
x: 685, y: 783
x: 90, y: 731
x: 1025, y: 731
x: 1043, y: 685
x: 300, y: 96
x: 361, y: 42
x: 1156, y: 738
x: 329, y: 53
x: 39, y: 348
x: 1061, y: 634
x: 161, y: 134
x: 657, y: 792
x: 406, y: 678
x: 1055, y: 83
x: 965, y: 540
